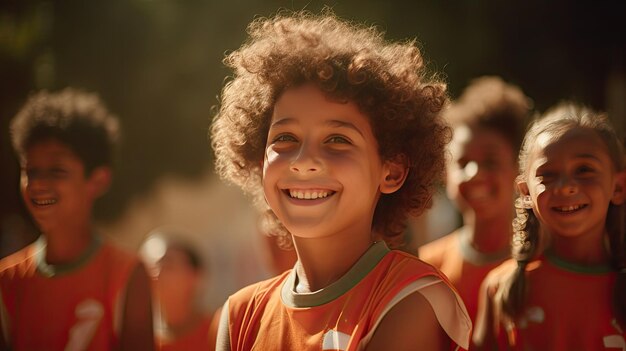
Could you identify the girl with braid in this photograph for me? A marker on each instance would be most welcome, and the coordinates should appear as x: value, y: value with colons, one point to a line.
x: 565, y: 288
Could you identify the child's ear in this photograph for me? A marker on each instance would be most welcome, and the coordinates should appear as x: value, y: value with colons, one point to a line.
x: 619, y: 192
x: 522, y: 186
x: 100, y: 180
x: 395, y: 174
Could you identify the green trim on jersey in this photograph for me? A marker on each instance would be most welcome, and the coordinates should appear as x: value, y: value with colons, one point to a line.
x: 476, y: 257
x: 50, y: 270
x: 359, y: 270
x: 576, y: 267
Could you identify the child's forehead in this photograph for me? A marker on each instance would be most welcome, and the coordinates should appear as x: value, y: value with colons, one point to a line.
x: 309, y: 103
x: 49, y: 149
x: 576, y: 141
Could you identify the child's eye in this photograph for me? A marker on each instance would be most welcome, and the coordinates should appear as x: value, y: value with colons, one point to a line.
x: 284, y: 138
x: 337, y: 139
x: 584, y: 170
x: 58, y: 172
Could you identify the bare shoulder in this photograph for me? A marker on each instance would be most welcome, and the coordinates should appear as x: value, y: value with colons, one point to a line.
x: 410, y: 324
x: 435, y: 251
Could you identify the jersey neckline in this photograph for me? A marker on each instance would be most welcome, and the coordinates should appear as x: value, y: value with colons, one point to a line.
x: 53, y: 270
x: 476, y: 257
x: 355, y: 274
x: 576, y: 267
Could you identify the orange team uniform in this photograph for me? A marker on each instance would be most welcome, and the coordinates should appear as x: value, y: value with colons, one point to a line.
x: 270, y: 315
x: 197, y: 339
x: 46, y: 307
x: 464, y: 266
x: 568, y: 308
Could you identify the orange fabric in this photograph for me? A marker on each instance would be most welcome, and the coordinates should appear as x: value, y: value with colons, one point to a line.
x: 197, y: 339
x: 45, y: 313
x: 445, y: 254
x: 565, y: 310
x: 258, y: 320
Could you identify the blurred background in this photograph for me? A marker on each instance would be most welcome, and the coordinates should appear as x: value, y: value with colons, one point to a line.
x: 157, y: 65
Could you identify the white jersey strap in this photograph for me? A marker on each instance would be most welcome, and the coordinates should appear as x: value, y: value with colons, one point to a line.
x: 446, y: 303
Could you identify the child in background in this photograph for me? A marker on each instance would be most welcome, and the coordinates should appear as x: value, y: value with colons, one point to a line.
x: 489, y: 122
x: 338, y: 135
x: 178, y: 273
x: 571, y: 295
x: 70, y: 289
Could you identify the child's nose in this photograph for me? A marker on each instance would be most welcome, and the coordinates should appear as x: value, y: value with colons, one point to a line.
x: 567, y: 186
x: 306, y: 160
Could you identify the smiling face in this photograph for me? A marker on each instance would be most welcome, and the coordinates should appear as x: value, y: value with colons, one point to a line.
x: 571, y: 180
x: 322, y: 173
x: 54, y: 186
x: 481, y: 173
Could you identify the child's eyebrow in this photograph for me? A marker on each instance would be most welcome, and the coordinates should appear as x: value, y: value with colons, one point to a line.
x: 331, y: 123
x: 343, y: 124
x: 282, y: 121
x: 588, y: 156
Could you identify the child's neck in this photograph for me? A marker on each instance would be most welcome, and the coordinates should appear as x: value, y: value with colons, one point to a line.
x: 585, y: 250
x: 67, y: 243
x: 322, y: 261
x: 488, y: 235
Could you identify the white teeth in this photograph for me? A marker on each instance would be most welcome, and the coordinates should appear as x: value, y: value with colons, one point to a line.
x: 569, y: 208
x: 44, y: 202
x: 308, y: 194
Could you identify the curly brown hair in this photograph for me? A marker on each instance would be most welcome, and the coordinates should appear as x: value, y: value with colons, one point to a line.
x: 348, y: 62
x: 76, y: 118
x: 491, y: 103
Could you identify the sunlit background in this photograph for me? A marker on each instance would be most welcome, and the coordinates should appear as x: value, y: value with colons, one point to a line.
x: 157, y: 65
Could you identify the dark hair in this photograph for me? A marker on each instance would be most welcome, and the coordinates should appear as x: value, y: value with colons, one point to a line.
x: 387, y: 81
x: 491, y: 103
x: 75, y: 118
x: 192, y: 255
x: 526, y: 227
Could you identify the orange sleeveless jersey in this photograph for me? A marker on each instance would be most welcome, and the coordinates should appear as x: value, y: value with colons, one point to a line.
x: 72, y: 311
x: 449, y: 256
x: 568, y: 308
x: 268, y: 316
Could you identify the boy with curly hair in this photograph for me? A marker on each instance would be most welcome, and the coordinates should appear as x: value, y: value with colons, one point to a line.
x: 70, y: 289
x: 337, y: 135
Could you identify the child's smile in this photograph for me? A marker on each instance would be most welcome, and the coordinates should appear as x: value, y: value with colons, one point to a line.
x: 309, y: 194
x: 571, y: 182
x: 481, y: 172
x: 54, y: 186
x: 322, y: 171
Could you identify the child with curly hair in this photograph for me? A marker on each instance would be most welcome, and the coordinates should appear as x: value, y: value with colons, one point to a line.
x: 565, y: 288
x: 70, y: 289
x: 489, y: 121
x: 338, y: 136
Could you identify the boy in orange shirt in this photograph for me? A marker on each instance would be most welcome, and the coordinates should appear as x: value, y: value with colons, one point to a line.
x: 338, y: 135
x: 70, y: 289
x: 489, y: 121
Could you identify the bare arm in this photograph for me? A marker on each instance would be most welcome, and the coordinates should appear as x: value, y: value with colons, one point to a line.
x: 215, y: 322
x: 137, y: 329
x: 223, y: 332
x: 410, y: 325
